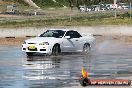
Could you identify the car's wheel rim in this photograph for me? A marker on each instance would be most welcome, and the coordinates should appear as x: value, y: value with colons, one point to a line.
x: 86, y: 49
x: 55, y: 50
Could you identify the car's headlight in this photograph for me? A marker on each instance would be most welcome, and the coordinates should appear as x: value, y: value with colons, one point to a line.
x: 24, y: 42
x: 44, y: 43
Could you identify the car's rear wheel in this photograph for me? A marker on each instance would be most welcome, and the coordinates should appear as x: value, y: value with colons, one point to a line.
x: 86, y: 49
x: 29, y: 53
x: 56, y: 50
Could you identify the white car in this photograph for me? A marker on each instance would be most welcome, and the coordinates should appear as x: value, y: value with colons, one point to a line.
x: 55, y: 41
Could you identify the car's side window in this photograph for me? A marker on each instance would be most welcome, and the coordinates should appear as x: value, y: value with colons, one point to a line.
x: 77, y: 35
x: 73, y: 34
x: 69, y: 33
x: 61, y: 33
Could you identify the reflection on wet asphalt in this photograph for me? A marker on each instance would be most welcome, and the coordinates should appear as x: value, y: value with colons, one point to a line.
x: 109, y: 60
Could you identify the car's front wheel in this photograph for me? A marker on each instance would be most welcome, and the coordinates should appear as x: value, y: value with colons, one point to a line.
x: 86, y: 49
x: 29, y: 53
x: 56, y: 50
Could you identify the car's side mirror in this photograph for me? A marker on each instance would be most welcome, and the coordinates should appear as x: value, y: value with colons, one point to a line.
x: 67, y: 37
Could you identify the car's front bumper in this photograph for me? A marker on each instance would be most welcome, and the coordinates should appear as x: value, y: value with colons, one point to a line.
x: 37, y: 48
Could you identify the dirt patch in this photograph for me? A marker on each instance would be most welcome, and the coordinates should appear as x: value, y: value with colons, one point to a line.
x: 9, y: 16
x: 99, y: 39
x: 126, y: 39
x: 11, y: 41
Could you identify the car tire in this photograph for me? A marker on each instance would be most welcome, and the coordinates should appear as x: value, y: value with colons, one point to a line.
x: 56, y: 50
x: 29, y: 53
x: 86, y: 49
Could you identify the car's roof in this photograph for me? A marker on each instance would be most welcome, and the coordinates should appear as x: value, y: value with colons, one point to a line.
x: 61, y: 29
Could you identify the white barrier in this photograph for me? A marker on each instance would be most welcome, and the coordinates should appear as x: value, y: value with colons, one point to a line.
x: 96, y: 30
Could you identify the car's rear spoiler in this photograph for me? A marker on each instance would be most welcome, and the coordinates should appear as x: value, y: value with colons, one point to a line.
x: 87, y: 34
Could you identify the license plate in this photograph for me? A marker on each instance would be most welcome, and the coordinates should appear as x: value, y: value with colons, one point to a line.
x: 31, y: 47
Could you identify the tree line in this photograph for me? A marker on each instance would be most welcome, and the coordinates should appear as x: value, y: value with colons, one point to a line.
x: 70, y: 3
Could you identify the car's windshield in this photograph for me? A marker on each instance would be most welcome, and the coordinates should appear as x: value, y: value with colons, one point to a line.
x: 53, y: 33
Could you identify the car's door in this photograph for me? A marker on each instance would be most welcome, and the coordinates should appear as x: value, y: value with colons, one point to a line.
x: 71, y: 44
x: 77, y: 40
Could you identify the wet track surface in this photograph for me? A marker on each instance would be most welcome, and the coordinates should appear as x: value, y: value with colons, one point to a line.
x: 109, y: 60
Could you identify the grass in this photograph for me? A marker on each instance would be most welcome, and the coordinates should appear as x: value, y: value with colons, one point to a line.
x: 61, y: 17
x: 75, y: 21
x: 51, y: 3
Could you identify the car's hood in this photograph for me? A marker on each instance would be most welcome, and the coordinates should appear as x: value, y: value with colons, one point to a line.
x: 42, y: 39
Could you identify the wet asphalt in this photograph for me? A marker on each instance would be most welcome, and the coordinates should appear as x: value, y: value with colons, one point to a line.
x: 110, y: 59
